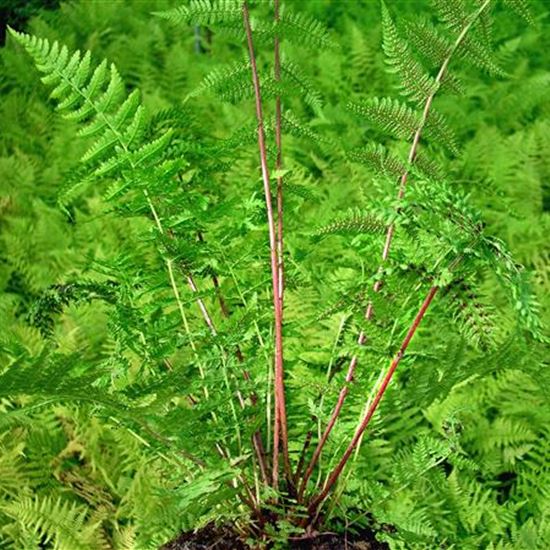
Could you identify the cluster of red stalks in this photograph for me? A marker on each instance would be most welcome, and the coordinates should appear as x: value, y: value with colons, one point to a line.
x: 296, y: 481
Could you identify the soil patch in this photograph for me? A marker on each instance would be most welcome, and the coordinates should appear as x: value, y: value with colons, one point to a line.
x: 214, y: 537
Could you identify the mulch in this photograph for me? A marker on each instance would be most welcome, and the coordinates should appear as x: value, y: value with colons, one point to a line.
x: 214, y: 537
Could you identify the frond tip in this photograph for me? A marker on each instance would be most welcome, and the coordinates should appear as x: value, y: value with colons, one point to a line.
x: 415, y: 82
x: 97, y: 99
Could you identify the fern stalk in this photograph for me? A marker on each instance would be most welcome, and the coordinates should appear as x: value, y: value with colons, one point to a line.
x: 279, y: 235
x: 335, y: 474
x: 361, y: 340
x: 279, y: 163
x: 280, y: 424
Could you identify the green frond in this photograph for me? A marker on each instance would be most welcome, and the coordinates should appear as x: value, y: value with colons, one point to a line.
x: 428, y: 167
x: 379, y: 159
x: 11, y: 475
x: 433, y: 47
x: 293, y: 75
x: 295, y: 127
x: 521, y: 8
x: 115, y: 120
x: 415, y: 82
x: 454, y: 13
x: 55, y: 299
x: 353, y: 222
x: 438, y: 129
x: 401, y: 121
x: 516, y: 281
x: 389, y: 115
x: 57, y: 521
x: 303, y: 30
x: 125, y: 538
x: 205, y: 12
x: 231, y: 83
x: 474, y: 319
x: 477, y: 54
x: 363, y: 58
x: 431, y: 44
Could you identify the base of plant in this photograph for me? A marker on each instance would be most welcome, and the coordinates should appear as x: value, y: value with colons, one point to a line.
x: 224, y: 537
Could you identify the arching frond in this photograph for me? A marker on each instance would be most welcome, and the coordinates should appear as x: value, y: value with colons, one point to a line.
x: 303, y: 30
x: 294, y: 76
x: 98, y: 100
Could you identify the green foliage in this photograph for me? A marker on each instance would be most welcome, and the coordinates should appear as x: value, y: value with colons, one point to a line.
x: 114, y: 393
x: 414, y: 81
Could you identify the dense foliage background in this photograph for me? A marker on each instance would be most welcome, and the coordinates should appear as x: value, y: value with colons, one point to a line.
x: 458, y: 457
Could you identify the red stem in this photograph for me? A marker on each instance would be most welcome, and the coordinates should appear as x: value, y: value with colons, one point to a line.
x: 279, y: 388
x: 374, y: 405
x: 279, y: 164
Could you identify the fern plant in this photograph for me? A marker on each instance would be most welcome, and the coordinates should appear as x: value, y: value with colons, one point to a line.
x: 209, y: 325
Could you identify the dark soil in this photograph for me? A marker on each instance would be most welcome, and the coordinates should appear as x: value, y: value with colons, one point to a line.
x: 212, y: 537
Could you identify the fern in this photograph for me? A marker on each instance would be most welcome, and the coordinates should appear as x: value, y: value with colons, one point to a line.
x: 389, y: 115
x: 303, y: 30
x: 97, y: 99
x: 355, y: 222
x: 398, y: 119
x: 60, y: 522
x: 135, y: 364
x: 415, y: 83
x: 379, y: 159
x: 295, y: 77
x: 205, y: 12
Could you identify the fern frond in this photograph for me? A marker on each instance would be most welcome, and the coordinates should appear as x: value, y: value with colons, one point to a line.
x: 303, y: 30
x: 431, y: 44
x: 231, y: 82
x: 115, y: 121
x: 478, y: 55
x: 521, y: 8
x: 516, y: 281
x: 292, y: 73
x: 401, y: 121
x: 453, y: 13
x: 56, y: 298
x: 295, y: 127
x: 362, y: 57
x: 354, y: 222
x: 389, y: 115
x: 433, y: 47
x: 415, y: 82
x: 56, y: 521
x: 205, y: 12
x: 428, y: 167
x: 379, y: 159
x: 455, y: 16
x: 438, y: 129
x: 474, y: 319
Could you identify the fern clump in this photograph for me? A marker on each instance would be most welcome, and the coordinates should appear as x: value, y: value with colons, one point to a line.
x: 267, y: 292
